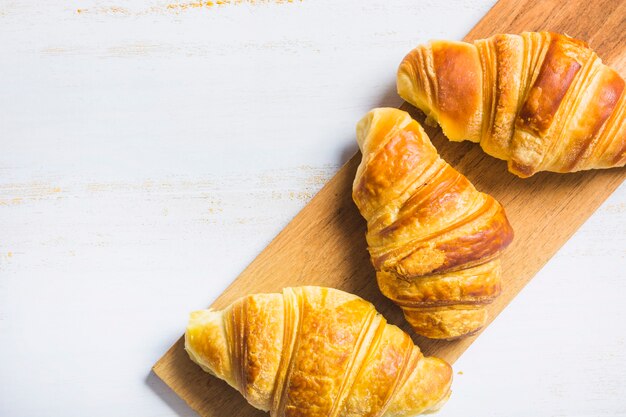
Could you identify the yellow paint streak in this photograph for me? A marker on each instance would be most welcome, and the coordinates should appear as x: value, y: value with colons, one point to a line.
x: 11, y: 201
x: 178, y: 7
x: 300, y: 195
x: 113, y: 10
x: 15, y: 194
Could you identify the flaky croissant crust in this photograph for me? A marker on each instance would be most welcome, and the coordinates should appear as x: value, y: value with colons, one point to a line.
x: 433, y: 238
x: 314, y: 351
x: 541, y: 101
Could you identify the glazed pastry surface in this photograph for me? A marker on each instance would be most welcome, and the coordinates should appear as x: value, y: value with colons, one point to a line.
x: 314, y: 351
x: 434, y: 240
x: 541, y: 101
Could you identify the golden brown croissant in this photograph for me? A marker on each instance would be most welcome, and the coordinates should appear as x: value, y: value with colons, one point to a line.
x: 539, y: 100
x: 314, y: 351
x: 434, y: 240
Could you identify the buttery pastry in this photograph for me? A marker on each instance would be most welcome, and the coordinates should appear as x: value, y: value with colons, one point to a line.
x: 433, y: 238
x: 539, y: 100
x: 314, y: 351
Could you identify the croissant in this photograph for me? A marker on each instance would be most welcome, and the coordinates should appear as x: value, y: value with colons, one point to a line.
x: 433, y: 239
x: 539, y: 100
x: 314, y: 351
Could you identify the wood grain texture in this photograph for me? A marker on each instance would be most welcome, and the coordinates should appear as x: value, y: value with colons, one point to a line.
x: 325, y: 244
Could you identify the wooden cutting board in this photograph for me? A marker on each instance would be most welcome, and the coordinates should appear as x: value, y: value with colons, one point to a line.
x: 325, y: 243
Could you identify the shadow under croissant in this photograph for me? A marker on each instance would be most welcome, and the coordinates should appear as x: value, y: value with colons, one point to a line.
x: 169, y: 397
x: 203, y: 391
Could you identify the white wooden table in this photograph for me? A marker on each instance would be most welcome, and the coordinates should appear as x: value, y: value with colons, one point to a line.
x: 148, y: 153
